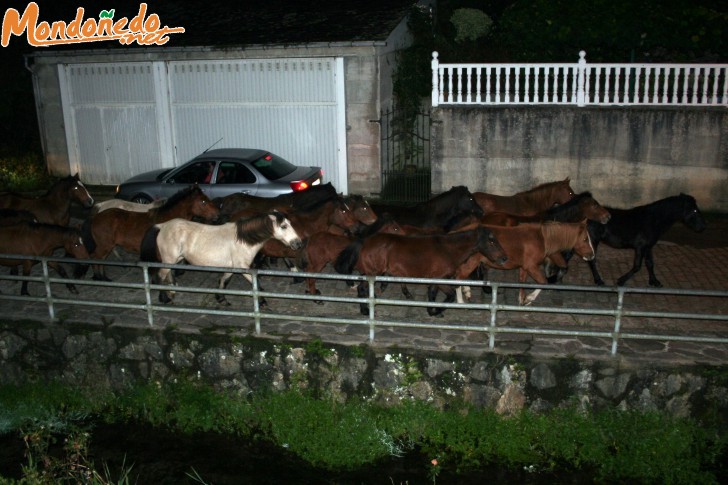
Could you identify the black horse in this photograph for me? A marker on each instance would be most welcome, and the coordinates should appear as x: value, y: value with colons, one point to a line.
x: 640, y: 228
x: 439, y: 212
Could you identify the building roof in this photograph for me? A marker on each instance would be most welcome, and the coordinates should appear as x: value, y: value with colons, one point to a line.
x: 235, y: 23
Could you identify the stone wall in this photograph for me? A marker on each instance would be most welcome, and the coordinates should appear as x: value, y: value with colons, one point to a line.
x: 624, y: 156
x: 114, y: 357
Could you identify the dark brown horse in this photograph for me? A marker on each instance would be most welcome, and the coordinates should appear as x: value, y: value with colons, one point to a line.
x: 529, y: 244
x: 436, y: 256
x: 437, y: 213
x: 55, y: 206
x: 304, y: 199
x: 528, y: 203
x: 34, y: 239
x: 117, y: 227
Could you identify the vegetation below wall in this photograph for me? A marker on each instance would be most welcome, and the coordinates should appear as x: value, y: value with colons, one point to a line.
x: 333, y: 437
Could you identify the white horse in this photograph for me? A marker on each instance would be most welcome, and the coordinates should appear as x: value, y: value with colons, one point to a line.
x: 230, y: 245
x: 125, y: 205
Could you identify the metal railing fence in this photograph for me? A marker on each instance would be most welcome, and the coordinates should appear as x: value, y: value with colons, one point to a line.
x: 494, y: 325
x: 580, y: 84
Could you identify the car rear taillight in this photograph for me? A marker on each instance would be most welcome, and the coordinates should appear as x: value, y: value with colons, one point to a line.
x: 299, y: 185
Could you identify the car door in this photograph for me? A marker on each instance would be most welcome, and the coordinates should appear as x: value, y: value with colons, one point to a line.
x: 233, y: 177
x: 201, y: 173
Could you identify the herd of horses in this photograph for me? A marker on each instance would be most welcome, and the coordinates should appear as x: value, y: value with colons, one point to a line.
x: 455, y: 235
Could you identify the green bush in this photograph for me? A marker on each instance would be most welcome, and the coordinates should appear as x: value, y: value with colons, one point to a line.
x: 610, y: 445
x: 23, y: 173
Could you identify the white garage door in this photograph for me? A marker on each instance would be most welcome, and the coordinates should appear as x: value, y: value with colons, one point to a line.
x: 125, y: 118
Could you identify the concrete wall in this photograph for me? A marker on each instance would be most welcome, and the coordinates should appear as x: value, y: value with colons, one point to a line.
x: 114, y: 357
x: 625, y: 156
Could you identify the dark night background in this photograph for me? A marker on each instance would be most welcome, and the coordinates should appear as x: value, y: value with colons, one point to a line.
x: 522, y: 30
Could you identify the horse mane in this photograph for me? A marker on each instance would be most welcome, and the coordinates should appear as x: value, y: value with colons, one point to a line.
x: 559, y: 235
x: 313, y: 204
x: 176, y: 198
x: 541, y: 191
x: 455, y: 192
x: 570, y: 208
x: 256, y: 229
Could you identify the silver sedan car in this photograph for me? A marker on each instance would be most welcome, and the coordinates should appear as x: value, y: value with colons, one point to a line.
x: 223, y: 172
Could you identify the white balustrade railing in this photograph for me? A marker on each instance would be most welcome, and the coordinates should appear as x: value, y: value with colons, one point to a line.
x: 580, y: 84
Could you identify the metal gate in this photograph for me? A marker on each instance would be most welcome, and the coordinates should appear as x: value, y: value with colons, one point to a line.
x: 405, y: 158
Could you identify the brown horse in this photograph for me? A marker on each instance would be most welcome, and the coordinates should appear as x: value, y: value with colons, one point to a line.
x: 322, y: 248
x: 436, y: 256
x: 528, y: 203
x: 117, y: 227
x: 55, y: 206
x: 582, y: 206
x: 528, y: 245
x: 34, y: 239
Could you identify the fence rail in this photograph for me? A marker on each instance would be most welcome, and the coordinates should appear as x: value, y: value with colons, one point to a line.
x: 580, y: 84
x: 489, y: 318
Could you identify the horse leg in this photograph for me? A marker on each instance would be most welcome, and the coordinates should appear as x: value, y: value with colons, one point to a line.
x: 292, y: 268
x: 312, y: 290
x: 224, y: 281
x: 261, y: 300
x: 405, y: 291
x: 650, y: 264
x: 62, y: 273
x: 27, y: 265
x: 593, y: 265
x: 638, y: 257
x: 432, y: 296
x: 165, y: 276
x: 361, y: 292
x: 537, y: 276
x: 555, y: 267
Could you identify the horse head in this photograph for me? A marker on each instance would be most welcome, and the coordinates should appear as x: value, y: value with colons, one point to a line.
x: 193, y: 202
x: 562, y: 191
x: 77, y: 191
x: 692, y: 217
x: 489, y: 246
x: 283, y: 230
x: 591, y: 209
x: 361, y: 209
x: 73, y: 244
x: 342, y: 216
x: 465, y: 202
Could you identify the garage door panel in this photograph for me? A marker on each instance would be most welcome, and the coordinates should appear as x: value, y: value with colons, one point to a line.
x: 253, y: 81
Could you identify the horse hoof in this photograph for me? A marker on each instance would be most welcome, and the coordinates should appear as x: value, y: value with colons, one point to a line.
x: 655, y: 283
x: 164, y: 298
x: 599, y: 282
x: 297, y: 279
x: 364, y: 310
x: 73, y: 289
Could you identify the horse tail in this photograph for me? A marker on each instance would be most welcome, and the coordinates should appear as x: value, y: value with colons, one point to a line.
x: 346, y: 260
x: 148, y: 249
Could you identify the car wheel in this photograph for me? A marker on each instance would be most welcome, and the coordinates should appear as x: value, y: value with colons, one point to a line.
x: 141, y: 199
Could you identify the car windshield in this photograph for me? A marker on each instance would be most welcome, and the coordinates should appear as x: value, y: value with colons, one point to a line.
x: 273, y: 167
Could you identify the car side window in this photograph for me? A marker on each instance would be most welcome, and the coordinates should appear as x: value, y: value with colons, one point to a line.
x: 235, y: 173
x: 200, y: 173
